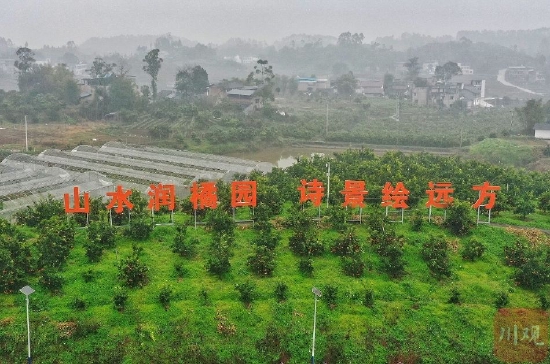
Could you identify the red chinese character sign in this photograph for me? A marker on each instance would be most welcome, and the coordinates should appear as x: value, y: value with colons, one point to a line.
x: 162, y: 195
x: 203, y: 195
x: 395, y: 197
x: 486, y: 198
x: 354, y: 195
x: 439, y: 196
x: 120, y: 199
x: 76, y: 202
x: 243, y: 193
x: 311, y: 191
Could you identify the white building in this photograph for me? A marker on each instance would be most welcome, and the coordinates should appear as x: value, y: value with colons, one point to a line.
x: 542, y: 131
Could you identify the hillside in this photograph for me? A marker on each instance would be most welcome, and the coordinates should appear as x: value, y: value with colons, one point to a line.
x: 222, y: 293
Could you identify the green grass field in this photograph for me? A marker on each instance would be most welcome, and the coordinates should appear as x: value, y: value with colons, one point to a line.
x: 205, y: 321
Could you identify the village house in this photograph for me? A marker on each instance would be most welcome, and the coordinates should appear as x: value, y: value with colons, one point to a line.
x: 246, y: 97
x: 312, y: 84
x: 520, y: 74
x: 372, y: 88
x: 466, y: 88
x: 542, y: 131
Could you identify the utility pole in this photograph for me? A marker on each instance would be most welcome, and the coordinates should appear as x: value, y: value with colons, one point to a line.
x: 26, y: 136
x: 326, y: 123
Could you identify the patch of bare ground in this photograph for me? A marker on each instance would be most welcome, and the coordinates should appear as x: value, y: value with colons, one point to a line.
x: 54, y: 135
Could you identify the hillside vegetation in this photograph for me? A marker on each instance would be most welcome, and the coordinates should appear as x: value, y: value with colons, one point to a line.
x: 223, y: 293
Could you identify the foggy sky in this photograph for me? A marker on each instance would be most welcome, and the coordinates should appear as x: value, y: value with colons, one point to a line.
x: 54, y: 22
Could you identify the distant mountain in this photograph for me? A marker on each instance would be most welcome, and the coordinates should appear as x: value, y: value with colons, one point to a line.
x: 531, y: 41
x: 299, y: 40
x: 410, y: 40
x: 124, y: 44
x: 484, y: 58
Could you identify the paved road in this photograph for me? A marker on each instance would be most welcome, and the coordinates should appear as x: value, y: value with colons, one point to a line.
x: 501, y: 78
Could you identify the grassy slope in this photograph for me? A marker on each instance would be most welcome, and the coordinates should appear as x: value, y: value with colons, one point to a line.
x: 410, y: 316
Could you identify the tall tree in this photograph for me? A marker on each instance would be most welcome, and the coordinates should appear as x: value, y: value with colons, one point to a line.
x: 122, y: 94
x: 346, y: 84
x: 413, y: 68
x: 24, y: 64
x: 192, y: 80
x: 532, y: 113
x: 447, y: 71
x: 100, y: 69
x: 262, y: 74
x: 388, y: 84
x: 152, y: 68
x: 26, y: 59
x: 348, y: 39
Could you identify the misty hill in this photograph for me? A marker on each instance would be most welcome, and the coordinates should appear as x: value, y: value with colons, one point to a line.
x: 299, y: 40
x: 532, y: 42
x: 123, y: 44
x: 484, y: 58
x: 410, y: 40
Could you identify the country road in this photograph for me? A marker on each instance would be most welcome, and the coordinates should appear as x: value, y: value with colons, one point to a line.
x: 501, y: 78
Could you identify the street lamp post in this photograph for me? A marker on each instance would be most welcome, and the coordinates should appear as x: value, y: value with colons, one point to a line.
x: 316, y: 293
x: 328, y: 182
x: 27, y: 290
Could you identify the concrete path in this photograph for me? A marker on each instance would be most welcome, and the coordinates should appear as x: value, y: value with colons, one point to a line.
x: 501, y: 78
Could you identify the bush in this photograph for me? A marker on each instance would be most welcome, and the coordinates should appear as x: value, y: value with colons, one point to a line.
x: 417, y: 220
x: 204, y: 297
x: 337, y: 217
x: 353, y: 266
x: 305, y: 266
x: 369, y: 298
x: 347, y: 244
x: 165, y: 295
x: 55, y: 242
x: 455, y: 297
x: 132, y: 271
x: 281, y: 292
x: 40, y: 211
x: 93, y: 251
x: 119, y: 298
x: 266, y: 238
x: 514, y: 255
x: 303, y: 243
x: 535, y: 271
x: 218, y: 260
x: 262, y: 262
x: 501, y: 300
x: 435, y: 253
x: 102, y: 234
x: 330, y: 295
x: 473, y: 250
x: 460, y: 218
x: 389, y: 246
x: 544, y: 199
x: 78, y: 304
x: 221, y: 224
x: 182, y: 245
x: 51, y: 281
x: 139, y: 228
x: 180, y: 270
x: 15, y: 258
x: 88, y: 276
x: 544, y: 303
x: 247, y: 292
